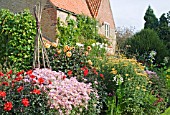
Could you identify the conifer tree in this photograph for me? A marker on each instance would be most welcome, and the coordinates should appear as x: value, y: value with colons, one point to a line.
x: 151, y: 22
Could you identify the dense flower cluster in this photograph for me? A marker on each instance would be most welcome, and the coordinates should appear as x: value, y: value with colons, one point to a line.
x: 65, y: 94
x: 16, y: 96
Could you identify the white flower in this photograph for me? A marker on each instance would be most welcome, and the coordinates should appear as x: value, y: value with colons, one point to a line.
x: 80, y: 45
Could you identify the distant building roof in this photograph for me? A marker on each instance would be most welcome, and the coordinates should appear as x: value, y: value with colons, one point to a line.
x: 75, y: 6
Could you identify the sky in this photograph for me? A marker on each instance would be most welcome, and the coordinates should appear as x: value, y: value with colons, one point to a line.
x: 130, y: 13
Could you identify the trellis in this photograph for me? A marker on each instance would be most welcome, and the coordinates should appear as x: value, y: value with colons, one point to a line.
x: 38, y: 42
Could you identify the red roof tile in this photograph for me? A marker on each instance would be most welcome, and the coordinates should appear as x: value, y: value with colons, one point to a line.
x: 75, y: 6
x: 94, y: 6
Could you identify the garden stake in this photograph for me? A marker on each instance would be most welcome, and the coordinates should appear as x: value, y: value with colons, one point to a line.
x: 38, y: 42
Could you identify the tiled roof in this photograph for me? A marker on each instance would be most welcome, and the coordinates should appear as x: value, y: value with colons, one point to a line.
x: 75, y: 6
x: 94, y: 6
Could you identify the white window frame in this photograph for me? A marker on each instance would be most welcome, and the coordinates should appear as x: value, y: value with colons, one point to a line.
x: 107, y: 29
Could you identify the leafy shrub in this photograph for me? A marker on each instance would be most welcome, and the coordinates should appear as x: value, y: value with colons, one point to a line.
x: 17, y: 32
x: 145, y: 41
x: 17, y: 96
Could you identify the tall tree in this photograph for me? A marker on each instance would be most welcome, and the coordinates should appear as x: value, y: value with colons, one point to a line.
x: 163, y: 28
x: 151, y: 22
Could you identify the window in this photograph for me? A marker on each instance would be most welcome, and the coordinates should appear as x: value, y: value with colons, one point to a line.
x: 107, y: 29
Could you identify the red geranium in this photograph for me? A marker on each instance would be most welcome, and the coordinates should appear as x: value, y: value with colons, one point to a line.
x: 102, y: 76
x: 2, y: 93
x: 1, y: 74
x: 10, y: 72
x: 40, y: 80
x: 69, y: 72
x: 19, y: 73
x: 5, y: 83
x: 64, y: 77
x: 19, y: 78
x: 8, y: 106
x: 29, y: 72
x: 20, y: 89
x: 25, y: 102
x: 36, y: 91
x: 49, y: 81
x: 86, y: 72
x: 32, y: 76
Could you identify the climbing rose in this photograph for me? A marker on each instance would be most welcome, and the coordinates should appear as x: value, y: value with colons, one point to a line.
x: 8, y: 106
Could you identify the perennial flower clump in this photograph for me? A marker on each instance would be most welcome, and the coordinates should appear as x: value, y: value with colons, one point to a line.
x: 17, y: 96
x: 65, y: 94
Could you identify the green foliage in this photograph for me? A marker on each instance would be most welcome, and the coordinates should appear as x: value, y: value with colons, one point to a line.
x: 17, y: 32
x: 145, y: 41
x: 151, y: 21
x: 167, y: 112
x: 83, y: 30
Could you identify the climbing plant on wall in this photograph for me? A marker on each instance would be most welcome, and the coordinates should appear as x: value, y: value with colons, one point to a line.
x: 83, y: 29
x: 17, y: 33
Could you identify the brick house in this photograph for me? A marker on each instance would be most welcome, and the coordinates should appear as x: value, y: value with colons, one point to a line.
x: 52, y: 9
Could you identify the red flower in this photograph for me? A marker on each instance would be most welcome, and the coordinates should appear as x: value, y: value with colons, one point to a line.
x: 19, y: 78
x: 69, y: 72
x: 19, y: 73
x: 1, y: 74
x: 29, y: 72
x: 40, y: 80
x: 102, y: 76
x: 49, y: 81
x: 32, y: 76
x: 86, y: 72
x: 8, y: 106
x: 25, y: 102
x: 5, y: 83
x: 20, y: 89
x: 10, y: 72
x: 36, y: 91
x: 2, y: 93
x: 64, y: 77
x: 94, y: 71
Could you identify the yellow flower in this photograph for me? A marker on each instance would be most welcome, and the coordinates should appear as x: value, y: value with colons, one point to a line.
x: 88, y: 48
x: 90, y: 62
x: 54, y: 44
x: 66, y: 48
x: 113, y: 69
x: 144, y: 89
x: 150, y: 82
x: 47, y: 45
x: 126, y: 75
x: 68, y: 54
x: 114, y: 72
x: 137, y: 87
x: 86, y: 53
x: 58, y: 51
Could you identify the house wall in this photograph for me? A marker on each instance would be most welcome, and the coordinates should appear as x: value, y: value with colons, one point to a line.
x: 63, y: 15
x: 105, y: 15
